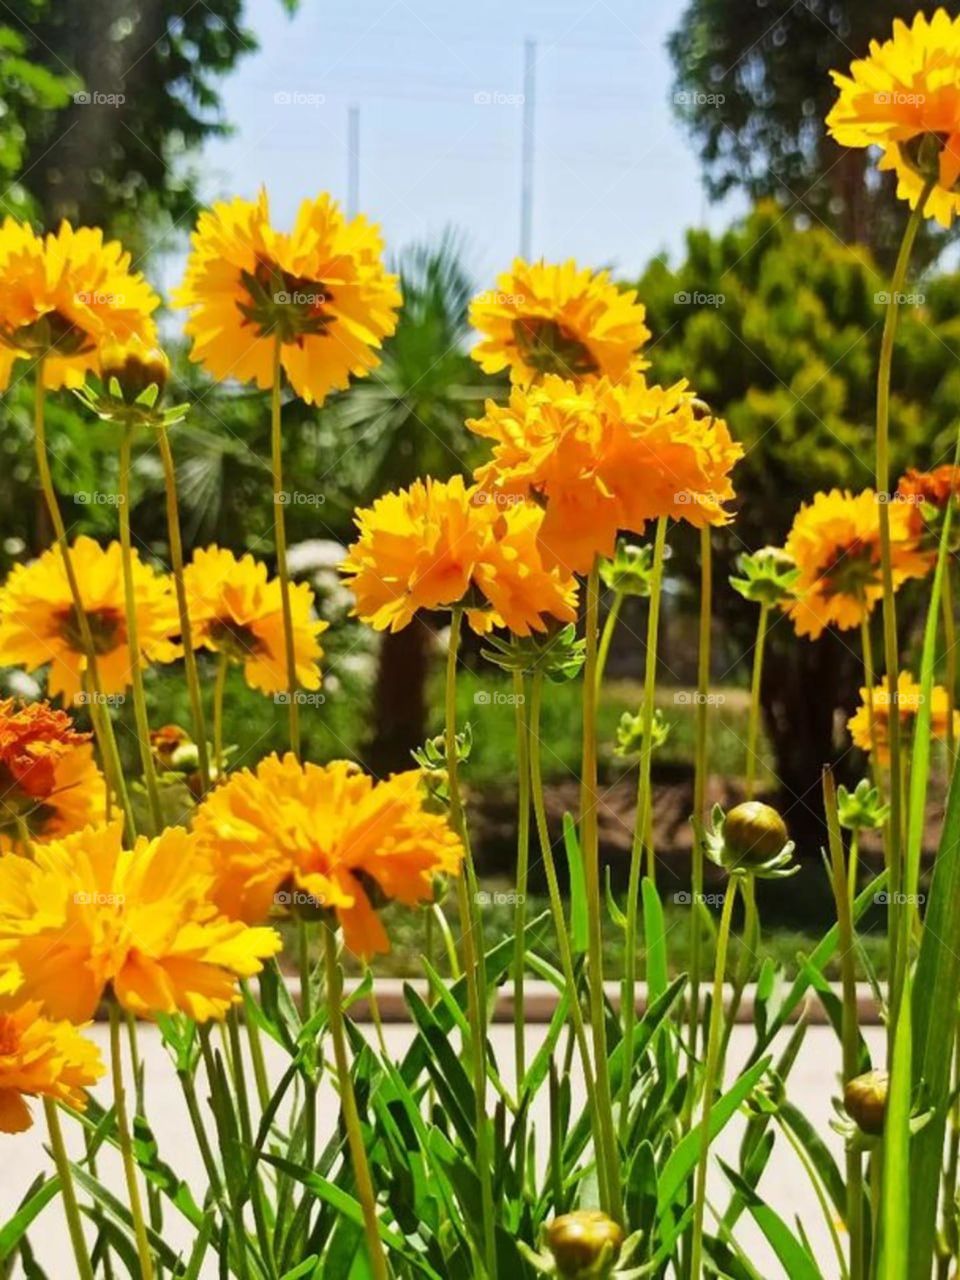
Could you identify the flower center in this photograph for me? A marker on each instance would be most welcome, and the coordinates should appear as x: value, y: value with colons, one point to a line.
x: 284, y: 305
x: 921, y: 153
x: 53, y: 334
x: 107, y: 628
x: 237, y: 641
x: 550, y: 348
x: 9, y: 1040
x: 853, y: 568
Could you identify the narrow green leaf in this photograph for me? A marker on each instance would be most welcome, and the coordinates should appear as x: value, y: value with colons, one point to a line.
x: 796, y: 1261
x: 655, y: 939
x: 579, y: 924
x: 895, y: 1208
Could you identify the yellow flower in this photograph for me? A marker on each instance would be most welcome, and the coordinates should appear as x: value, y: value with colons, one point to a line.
x: 317, y: 838
x: 555, y: 318
x: 49, y: 781
x: 87, y: 916
x: 62, y: 295
x: 236, y: 610
x: 425, y: 548
x: 39, y: 624
x: 908, y: 702
x: 835, y: 541
x: 905, y: 98
x: 606, y: 457
x: 41, y: 1058
x: 320, y: 289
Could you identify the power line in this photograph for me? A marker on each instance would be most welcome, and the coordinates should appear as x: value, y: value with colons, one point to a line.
x: 526, y: 158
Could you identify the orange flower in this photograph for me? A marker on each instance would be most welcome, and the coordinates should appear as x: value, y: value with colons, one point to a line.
x: 87, y: 916
x: 236, y: 610
x: 38, y: 622
x: 49, y: 782
x: 607, y: 457
x: 909, y: 699
x: 40, y: 1058
x: 556, y: 318
x: 321, y: 838
x: 425, y: 548
x: 62, y: 295
x: 835, y: 542
x: 320, y: 290
x: 933, y: 487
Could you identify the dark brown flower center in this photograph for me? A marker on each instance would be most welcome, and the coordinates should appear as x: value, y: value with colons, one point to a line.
x: 107, y: 628
x: 550, y: 348
x: 283, y: 305
x: 852, y: 569
x: 53, y: 334
x: 237, y: 641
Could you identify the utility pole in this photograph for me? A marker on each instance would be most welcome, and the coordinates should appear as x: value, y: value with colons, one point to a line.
x: 526, y: 156
x: 353, y: 161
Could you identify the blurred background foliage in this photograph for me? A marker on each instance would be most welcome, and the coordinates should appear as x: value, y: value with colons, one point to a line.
x: 776, y: 322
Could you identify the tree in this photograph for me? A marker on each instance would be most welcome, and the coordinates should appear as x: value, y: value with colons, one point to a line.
x: 778, y: 328
x: 107, y: 101
x: 753, y: 86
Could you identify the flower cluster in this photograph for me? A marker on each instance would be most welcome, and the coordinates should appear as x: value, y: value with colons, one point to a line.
x: 869, y: 726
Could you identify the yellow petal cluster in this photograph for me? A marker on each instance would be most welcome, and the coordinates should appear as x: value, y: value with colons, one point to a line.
x: 39, y: 624
x: 606, y: 457
x: 63, y: 295
x: 87, y: 916
x: 40, y: 1058
x: 556, y: 318
x: 835, y: 542
x: 321, y: 290
x: 322, y: 838
x: 236, y: 609
x: 909, y: 699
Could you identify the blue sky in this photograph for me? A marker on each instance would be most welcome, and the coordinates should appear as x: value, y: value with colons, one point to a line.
x: 616, y: 180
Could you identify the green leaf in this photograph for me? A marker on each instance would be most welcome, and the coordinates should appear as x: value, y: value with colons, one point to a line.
x: 895, y: 1208
x: 796, y: 1261
x: 655, y: 939
x: 39, y: 1194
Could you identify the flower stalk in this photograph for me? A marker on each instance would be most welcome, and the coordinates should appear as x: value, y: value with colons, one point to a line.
x: 520, y: 910
x: 280, y: 533
x: 68, y: 1192
x: 126, y: 1146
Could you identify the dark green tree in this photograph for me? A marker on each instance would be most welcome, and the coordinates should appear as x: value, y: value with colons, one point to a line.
x: 752, y: 83
x: 106, y: 101
x: 779, y: 328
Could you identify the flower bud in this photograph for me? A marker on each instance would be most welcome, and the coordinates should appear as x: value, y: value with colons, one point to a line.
x: 135, y: 367
x: 584, y: 1244
x: 865, y: 1100
x: 753, y: 833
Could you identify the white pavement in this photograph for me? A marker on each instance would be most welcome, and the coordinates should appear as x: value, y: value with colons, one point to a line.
x: 785, y: 1185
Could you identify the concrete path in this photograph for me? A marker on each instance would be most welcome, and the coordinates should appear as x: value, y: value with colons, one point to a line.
x: 785, y: 1185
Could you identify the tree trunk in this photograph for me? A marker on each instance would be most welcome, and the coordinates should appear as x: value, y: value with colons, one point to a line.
x: 400, y: 704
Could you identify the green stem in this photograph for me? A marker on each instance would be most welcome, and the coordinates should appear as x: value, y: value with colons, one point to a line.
x: 473, y: 963
x: 67, y: 1191
x: 520, y: 911
x: 223, y: 663
x: 126, y: 1146
x: 753, y: 729
x: 950, y: 656
x: 710, y: 1078
x: 101, y: 716
x: 609, y: 627
x: 869, y: 679
x: 186, y: 630
x: 256, y: 1051
x: 850, y: 1031
x: 890, y: 651
x: 348, y: 1103
x: 133, y: 638
x: 590, y: 842
x: 700, y: 772
x: 280, y: 531
x: 644, y: 814
x: 306, y: 1013
x: 562, y: 929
